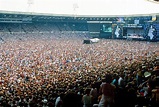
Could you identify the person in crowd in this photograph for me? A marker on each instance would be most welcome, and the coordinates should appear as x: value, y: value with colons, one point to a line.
x: 59, y: 100
x: 121, y: 82
x: 94, y: 93
x: 115, y: 79
x: 108, y: 92
x: 71, y: 100
x: 87, y: 98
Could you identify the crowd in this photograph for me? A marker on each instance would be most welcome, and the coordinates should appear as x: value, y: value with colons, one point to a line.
x: 61, y: 71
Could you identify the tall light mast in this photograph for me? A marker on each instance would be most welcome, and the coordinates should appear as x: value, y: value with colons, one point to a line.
x: 30, y: 6
x: 75, y: 7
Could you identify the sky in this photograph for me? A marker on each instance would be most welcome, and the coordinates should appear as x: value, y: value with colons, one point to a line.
x: 81, y: 7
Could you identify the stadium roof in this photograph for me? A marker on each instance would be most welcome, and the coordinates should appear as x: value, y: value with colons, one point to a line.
x: 81, y: 7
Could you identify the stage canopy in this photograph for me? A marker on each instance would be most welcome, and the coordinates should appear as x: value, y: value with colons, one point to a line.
x: 81, y: 7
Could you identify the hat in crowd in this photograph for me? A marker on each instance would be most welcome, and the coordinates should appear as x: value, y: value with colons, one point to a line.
x: 147, y: 74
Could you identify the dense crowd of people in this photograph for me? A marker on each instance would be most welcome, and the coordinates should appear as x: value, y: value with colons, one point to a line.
x: 46, y: 70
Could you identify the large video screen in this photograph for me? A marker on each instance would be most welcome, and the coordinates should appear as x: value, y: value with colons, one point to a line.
x: 107, y: 28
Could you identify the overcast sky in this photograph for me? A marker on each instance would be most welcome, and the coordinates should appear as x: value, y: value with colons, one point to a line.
x: 81, y: 7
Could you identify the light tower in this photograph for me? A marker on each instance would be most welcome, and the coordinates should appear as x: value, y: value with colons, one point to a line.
x: 75, y: 6
x: 30, y: 6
